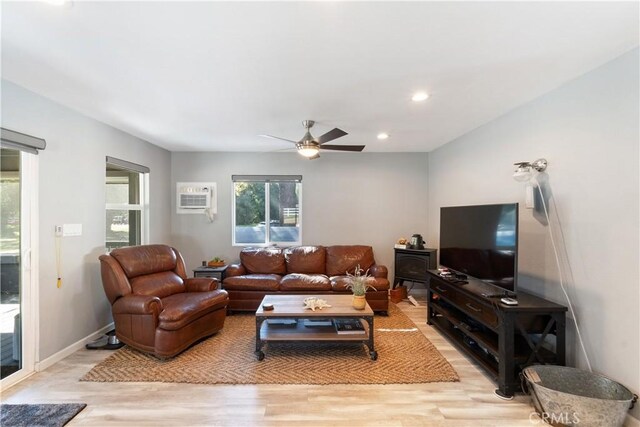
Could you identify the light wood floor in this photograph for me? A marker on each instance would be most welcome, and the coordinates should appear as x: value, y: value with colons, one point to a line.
x: 470, y: 402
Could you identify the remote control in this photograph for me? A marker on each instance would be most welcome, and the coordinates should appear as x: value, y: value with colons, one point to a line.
x: 509, y: 301
x: 493, y: 295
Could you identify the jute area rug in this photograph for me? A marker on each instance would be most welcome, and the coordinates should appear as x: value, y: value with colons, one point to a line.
x: 405, y: 356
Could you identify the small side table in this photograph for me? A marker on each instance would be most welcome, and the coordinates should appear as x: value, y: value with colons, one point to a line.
x: 213, y: 272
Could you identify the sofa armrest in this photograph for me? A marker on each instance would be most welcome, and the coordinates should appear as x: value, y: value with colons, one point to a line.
x: 235, y: 270
x: 137, y: 304
x: 201, y: 284
x: 379, y: 271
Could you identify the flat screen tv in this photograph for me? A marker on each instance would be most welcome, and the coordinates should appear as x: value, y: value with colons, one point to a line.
x: 482, y: 242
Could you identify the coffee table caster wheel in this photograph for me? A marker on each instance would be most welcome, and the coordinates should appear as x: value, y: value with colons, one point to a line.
x: 373, y: 355
x: 260, y: 355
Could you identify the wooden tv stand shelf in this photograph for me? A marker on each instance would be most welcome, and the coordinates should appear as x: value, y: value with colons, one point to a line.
x: 500, y: 338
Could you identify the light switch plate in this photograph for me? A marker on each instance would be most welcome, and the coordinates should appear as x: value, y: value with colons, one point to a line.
x: 72, y: 230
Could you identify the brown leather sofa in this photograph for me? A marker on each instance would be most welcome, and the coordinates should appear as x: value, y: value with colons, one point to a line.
x: 156, y: 308
x: 302, y: 269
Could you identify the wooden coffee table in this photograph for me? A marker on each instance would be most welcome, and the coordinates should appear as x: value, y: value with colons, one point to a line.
x: 291, y: 307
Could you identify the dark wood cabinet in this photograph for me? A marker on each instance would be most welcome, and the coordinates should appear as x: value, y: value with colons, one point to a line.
x: 413, y: 264
x: 502, y: 339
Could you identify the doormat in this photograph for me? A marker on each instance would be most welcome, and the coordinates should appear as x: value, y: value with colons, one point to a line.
x: 45, y: 415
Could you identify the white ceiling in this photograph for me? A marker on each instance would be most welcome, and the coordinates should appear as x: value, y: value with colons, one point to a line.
x: 212, y: 76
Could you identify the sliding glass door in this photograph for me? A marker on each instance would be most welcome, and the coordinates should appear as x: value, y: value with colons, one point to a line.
x: 16, y: 317
x: 10, y: 336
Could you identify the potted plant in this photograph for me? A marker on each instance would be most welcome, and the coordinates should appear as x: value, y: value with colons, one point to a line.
x: 358, y: 286
x: 216, y: 262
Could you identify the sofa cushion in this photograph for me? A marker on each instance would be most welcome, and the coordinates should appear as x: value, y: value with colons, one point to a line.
x: 253, y: 282
x: 343, y: 259
x: 339, y: 283
x: 305, y: 259
x: 158, y: 284
x: 182, y: 309
x: 263, y: 260
x: 305, y: 282
x: 139, y: 260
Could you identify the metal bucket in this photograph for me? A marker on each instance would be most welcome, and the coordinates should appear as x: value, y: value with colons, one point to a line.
x: 566, y: 396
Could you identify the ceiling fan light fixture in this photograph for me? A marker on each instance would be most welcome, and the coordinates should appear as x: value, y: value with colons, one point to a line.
x: 310, y: 147
x: 383, y: 136
x: 308, y: 150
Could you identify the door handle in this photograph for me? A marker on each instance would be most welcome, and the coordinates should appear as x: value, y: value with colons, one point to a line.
x: 444, y: 291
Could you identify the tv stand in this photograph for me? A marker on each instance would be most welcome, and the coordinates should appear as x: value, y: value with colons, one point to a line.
x: 502, y: 339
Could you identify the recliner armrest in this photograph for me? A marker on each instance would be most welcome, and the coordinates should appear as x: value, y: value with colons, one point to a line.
x: 379, y: 271
x: 235, y: 270
x: 137, y: 304
x: 201, y: 284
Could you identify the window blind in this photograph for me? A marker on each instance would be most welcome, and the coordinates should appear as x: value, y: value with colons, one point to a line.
x: 21, y: 141
x: 266, y: 178
x: 123, y: 164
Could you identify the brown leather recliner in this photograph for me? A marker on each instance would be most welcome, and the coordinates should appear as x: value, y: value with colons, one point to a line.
x: 156, y: 308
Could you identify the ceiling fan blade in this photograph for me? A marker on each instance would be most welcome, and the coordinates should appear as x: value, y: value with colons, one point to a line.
x: 335, y: 133
x: 277, y: 137
x: 343, y: 147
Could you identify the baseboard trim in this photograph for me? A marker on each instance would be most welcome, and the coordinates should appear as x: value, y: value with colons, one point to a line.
x: 67, y: 351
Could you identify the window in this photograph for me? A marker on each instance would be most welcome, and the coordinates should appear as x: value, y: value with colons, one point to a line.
x: 127, y: 214
x: 267, y: 209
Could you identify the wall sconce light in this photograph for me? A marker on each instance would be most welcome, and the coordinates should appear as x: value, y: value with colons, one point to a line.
x: 526, y: 172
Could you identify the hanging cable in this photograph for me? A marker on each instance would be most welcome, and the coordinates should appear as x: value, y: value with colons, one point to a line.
x: 555, y: 252
x: 59, y: 261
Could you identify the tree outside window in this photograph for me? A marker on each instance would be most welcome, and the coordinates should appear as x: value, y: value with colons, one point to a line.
x: 254, y: 224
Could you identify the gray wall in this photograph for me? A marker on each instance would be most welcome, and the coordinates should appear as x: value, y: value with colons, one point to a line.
x: 588, y: 131
x: 370, y: 199
x: 72, y: 190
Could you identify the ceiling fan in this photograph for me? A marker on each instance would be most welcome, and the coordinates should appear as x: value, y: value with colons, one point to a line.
x: 310, y: 147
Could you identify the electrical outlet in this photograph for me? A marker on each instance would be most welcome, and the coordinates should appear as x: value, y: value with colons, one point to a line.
x: 58, y: 231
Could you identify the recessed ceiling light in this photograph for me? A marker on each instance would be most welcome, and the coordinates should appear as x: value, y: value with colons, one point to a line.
x: 383, y: 135
x: 419, y: 96
x: 59, y: 2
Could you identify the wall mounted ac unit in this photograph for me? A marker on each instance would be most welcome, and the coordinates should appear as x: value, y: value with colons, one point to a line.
x: 196, y: 198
